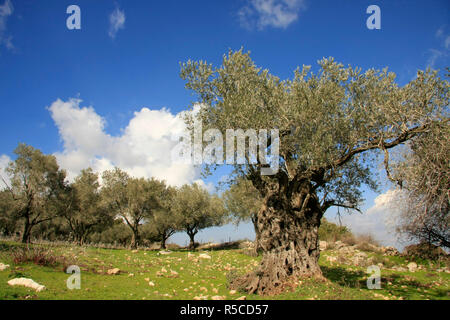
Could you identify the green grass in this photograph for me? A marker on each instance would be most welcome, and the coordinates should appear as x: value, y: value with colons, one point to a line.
x: 201, y: 277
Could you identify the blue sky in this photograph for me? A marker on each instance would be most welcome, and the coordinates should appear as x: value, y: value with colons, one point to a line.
x: 126, y: 57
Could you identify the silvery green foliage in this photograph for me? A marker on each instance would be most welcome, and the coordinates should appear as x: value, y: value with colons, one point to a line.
x: 330, y: 121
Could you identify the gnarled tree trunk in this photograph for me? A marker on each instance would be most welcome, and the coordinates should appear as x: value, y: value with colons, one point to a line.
x: 288, y: 236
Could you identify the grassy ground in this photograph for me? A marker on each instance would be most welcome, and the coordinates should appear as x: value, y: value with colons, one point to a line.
x: 194, y: 277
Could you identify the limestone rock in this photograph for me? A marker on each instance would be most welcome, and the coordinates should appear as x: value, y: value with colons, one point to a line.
x: 114, y: 271
x: 29, y: 283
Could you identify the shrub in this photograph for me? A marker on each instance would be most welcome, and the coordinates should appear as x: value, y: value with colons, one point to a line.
x: 425, y: 251
x: 331, y: 232
x: 38, y: 256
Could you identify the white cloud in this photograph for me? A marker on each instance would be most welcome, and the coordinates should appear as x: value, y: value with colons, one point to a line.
x: 116, y: 22
x: 143, y: 149
x: 270, y: 13
x: 4, y: 161
x: 441, y: 54
x: 6, y: 10
x: 447, y: 42
x: 377, y: 220
x: 435, y: 55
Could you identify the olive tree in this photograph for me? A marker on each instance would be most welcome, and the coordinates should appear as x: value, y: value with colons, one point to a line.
x: 196, y: 210
x: 132, y: 199
x: 243, y: 201
x: 330, y: 124
x: 8, y: 219
x: 84, y: 208
x: 165, y: 222
x: 424, y: 200
x: 37, y: 186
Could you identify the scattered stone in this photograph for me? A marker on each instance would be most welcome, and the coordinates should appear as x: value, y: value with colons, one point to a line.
x: 233, y: 292
x: 151, y: 284
x: 29, y: 283
x: 339, y: 244
x: 242, y: 298
x: 412, y: 267
x: 218, y: 298
x: 204, y: 256
x: 323, y: 245
x: 164, y: 253
x: 3, y: 266
x: 390, y: 251
x: 114, y: 271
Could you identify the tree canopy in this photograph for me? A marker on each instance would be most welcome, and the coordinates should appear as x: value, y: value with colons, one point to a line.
x: 330, y: 124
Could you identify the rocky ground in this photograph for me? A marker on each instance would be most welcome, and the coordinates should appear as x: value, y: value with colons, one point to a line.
x: 204, y: 274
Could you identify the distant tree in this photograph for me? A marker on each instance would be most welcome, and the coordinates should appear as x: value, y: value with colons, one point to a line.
x: 243, y: 201
x: 118, y: 233
x: 425, y: 198
x: 329, y: 231
x: 330, y: 124
x: 8, y: 218
x: 164, y: 221
x: 85, y: 210
x: 134, y: 200
x: 37, y: 185
x: 197, y: 210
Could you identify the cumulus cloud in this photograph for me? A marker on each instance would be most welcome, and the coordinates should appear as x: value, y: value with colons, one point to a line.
x: 4, y: 161
x: 270, y: 13
x: 441, y: 54
x: 116, y: 22
x: 143, y: 149
x: 6, y: 10
x: 377, y: 220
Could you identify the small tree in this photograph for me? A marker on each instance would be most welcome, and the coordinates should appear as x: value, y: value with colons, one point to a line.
x: 243, y: 201
x: 197, y: 210
x: 85, y: 210
x: 37, y: 186
x: 164, y: 222
x: 424, y: 202
x: 8, y: 219
x: 134, y: 200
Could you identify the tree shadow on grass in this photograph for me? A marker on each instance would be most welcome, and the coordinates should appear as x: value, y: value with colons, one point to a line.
x: 396, y: 284
x: 344, y: 277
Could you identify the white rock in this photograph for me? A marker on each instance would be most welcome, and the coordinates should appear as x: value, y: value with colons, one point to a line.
x: 3, y: 266
x: 412, y: 267
x: 204, y: 256
x: 29, y: 283
x: 323, y: 245
x: 217, y: 298
x: 114, y: 271
x: 339, y: 244
x: 165, y: 253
